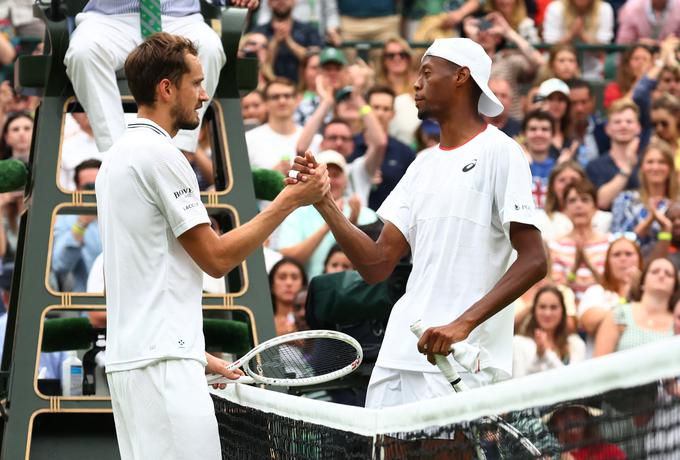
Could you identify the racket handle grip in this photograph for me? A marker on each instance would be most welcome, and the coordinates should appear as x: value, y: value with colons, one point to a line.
x: 442, y: 363
x: 218, y: 378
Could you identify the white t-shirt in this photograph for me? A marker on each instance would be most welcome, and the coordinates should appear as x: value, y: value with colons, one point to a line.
x: 147, y: 196
x: 266, y: 148
x: 454, y: 207
x: 76, y: 148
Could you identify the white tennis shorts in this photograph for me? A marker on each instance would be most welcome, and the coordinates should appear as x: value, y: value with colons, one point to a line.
x: 164, y: 411
x: 394, y: 387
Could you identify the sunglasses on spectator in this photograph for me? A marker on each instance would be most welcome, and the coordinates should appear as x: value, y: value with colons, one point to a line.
x: 630, y: 236
x: 401, y: 54
x: 660, y: 123
x: 284, y: 96
x: 334, y: 138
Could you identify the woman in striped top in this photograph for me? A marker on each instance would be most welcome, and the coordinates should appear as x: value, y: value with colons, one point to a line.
x: 578, y: 258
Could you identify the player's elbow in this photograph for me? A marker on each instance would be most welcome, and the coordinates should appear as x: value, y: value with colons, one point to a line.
x: 539, y: 265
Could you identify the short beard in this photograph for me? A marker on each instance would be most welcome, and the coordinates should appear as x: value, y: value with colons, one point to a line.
x: 424, y: 114
x: 181, y: 119
x: 282, y: 15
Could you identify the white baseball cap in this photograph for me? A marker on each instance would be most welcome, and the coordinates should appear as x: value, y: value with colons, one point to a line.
x: 467, y: 53
x: 331, y: 157
x: 553, y: 85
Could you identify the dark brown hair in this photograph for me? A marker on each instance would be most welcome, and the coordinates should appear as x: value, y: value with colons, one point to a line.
x: 582, y: 187
x: 161, y: 56
x: 608, y: 281
x: 561, y: 332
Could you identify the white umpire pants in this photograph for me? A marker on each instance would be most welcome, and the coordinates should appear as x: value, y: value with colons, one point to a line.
x: 164, y: 412
x: 98, y: 49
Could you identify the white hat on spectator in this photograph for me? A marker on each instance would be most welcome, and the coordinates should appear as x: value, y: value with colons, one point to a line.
x: 331, y: 157
x: 467, y: 53
x: 553, y: 85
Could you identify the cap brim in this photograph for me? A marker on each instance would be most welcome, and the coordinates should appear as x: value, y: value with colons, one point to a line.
x: 489, y: 105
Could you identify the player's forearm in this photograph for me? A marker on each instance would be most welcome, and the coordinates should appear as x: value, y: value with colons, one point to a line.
x: 364, y: 253
x: 240, y: 242
x: 527, y: 270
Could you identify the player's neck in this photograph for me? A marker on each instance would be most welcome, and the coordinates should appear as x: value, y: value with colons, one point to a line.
x: 455, y: 132
x: 161, y: 117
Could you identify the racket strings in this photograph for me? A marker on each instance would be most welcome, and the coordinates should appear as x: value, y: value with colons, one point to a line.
x: 304, y: 358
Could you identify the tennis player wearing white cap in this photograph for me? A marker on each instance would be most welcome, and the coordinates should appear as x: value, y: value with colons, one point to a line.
x: 461, y: 210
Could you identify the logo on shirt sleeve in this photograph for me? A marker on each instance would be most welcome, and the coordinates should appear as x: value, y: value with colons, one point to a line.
x: 183, y: 192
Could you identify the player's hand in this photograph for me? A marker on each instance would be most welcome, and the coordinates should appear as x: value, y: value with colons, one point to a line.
x: 438, y: 340
x: 219, y: 366
x: 305, y: 166
x: 250, y: 4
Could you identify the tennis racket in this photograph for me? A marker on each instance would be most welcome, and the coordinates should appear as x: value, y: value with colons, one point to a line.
x: 458, y: 385
x: 297, y: 359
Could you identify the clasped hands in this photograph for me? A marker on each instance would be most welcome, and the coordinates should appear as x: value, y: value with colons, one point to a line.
x: 308, y: 180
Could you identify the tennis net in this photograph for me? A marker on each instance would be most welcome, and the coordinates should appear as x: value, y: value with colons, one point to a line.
x: 626, y: 405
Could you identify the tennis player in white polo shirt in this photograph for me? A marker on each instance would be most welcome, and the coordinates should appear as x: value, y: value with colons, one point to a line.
x: 157, y: 242
x: 461, y: 210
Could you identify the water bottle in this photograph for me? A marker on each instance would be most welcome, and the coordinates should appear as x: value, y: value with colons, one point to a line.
x: 72, y: 375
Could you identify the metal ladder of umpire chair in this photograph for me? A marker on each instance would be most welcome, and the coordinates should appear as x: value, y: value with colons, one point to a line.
x: 56, y: 427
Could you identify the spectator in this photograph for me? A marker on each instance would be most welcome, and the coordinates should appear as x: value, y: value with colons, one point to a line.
x: 397, y: 157
x: 514, y: 65
x: 15, y: 140
x: 375, y: 20
x: 76, y: 238
x: 577, y: 430
x: 429, y: 20
x: 396, y: 71
x: 552, y: 221
x: 76, y: 148
x: 562, y: 63
x: 280, y: 131
x: 337, y: 261
x: 105, y: 34
x: 585, y: 21
x: 537, y: 130
x: 648, y: 20
x: 578, y: 258
x: 647, y: 89
x: 286, y: 278
x: 634, y: 63
x: 503, y: 91
x: 665, y: 117
x: 587, y: 125
x: 338, y: 135
x: 643, y: 210
x: 323, y: 14
x: 427, y: 136
x: 255, y: 45
x: 201, y: 160
x: 333, y: 74
x: 668, y: 82
x: 289, y: 40
x: 309, y: 70
x: 553, y: 95
x: 304, y: 235
x: 515, y: 13
x: 676, y: 319
x: 617, y: 171
x: 21, y: 14
x: 545, y: 343
x: 253, y: 109
x: 647, y: 319
x: 622, y: 269
x: 7, y: 51
x: 668, y: 243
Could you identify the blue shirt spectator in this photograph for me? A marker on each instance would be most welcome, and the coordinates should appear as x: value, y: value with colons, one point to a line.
x: 74, y: 254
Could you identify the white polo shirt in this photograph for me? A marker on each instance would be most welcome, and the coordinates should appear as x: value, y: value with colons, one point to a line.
x: 147, y: 196
x: 454, y: 207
